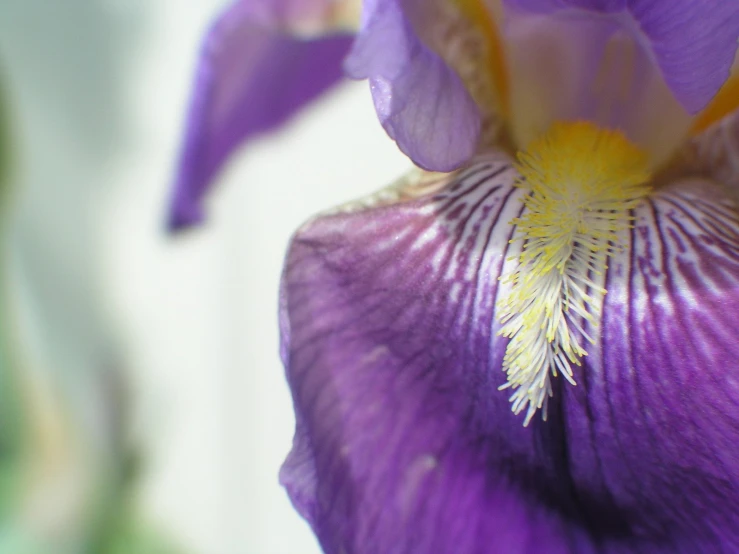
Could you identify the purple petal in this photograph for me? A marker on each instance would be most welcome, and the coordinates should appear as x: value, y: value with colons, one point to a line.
x: 694, y: 42
x: 421, y: 102
x: 251, y: 78
x: 405, y: 445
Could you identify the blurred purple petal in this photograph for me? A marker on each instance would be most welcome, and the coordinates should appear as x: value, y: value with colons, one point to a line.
x: 421, y: 102
x: 405, y: 445
x: 694, y: 42
x: 251, y: 78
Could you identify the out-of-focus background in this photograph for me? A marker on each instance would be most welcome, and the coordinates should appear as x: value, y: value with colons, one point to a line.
x: 142, y: 403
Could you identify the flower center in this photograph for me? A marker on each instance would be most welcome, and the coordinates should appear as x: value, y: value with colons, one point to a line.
x: 582, y: 182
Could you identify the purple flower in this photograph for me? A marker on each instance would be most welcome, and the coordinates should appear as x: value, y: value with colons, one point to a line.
x: 589, y: 236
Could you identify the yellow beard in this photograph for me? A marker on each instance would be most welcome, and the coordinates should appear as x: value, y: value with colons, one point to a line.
x: 582, y: 182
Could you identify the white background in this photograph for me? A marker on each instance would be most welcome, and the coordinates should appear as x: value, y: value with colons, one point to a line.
x: 99, y: 92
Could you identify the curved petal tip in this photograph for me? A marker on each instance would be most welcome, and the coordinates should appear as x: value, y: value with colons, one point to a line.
x: 183, y: 216
x: 251, y: 78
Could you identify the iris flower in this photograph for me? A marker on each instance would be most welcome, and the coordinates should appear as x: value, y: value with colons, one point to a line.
x: 530, y: 343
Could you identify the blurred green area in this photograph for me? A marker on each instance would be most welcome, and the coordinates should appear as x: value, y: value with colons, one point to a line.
x: 114, y: 525
x: 4, y: 137
x: 122, y: 531
x: 12, y: 447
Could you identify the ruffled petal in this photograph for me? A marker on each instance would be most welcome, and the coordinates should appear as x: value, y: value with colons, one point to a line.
x: 405, y: 445
x: 694, y: 43
x: 252, y: 76
x: 421, y: 102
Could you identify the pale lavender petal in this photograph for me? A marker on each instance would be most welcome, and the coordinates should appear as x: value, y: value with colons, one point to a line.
x: 693, y: 42
x: 405, y: 445
x: 421, y: 102
x: 251, y: 78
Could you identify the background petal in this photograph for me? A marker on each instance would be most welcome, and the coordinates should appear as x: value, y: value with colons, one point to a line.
x: 250, y: 79
x: 421, y: 102
x: 405, y: 445
x: 694, y: 43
